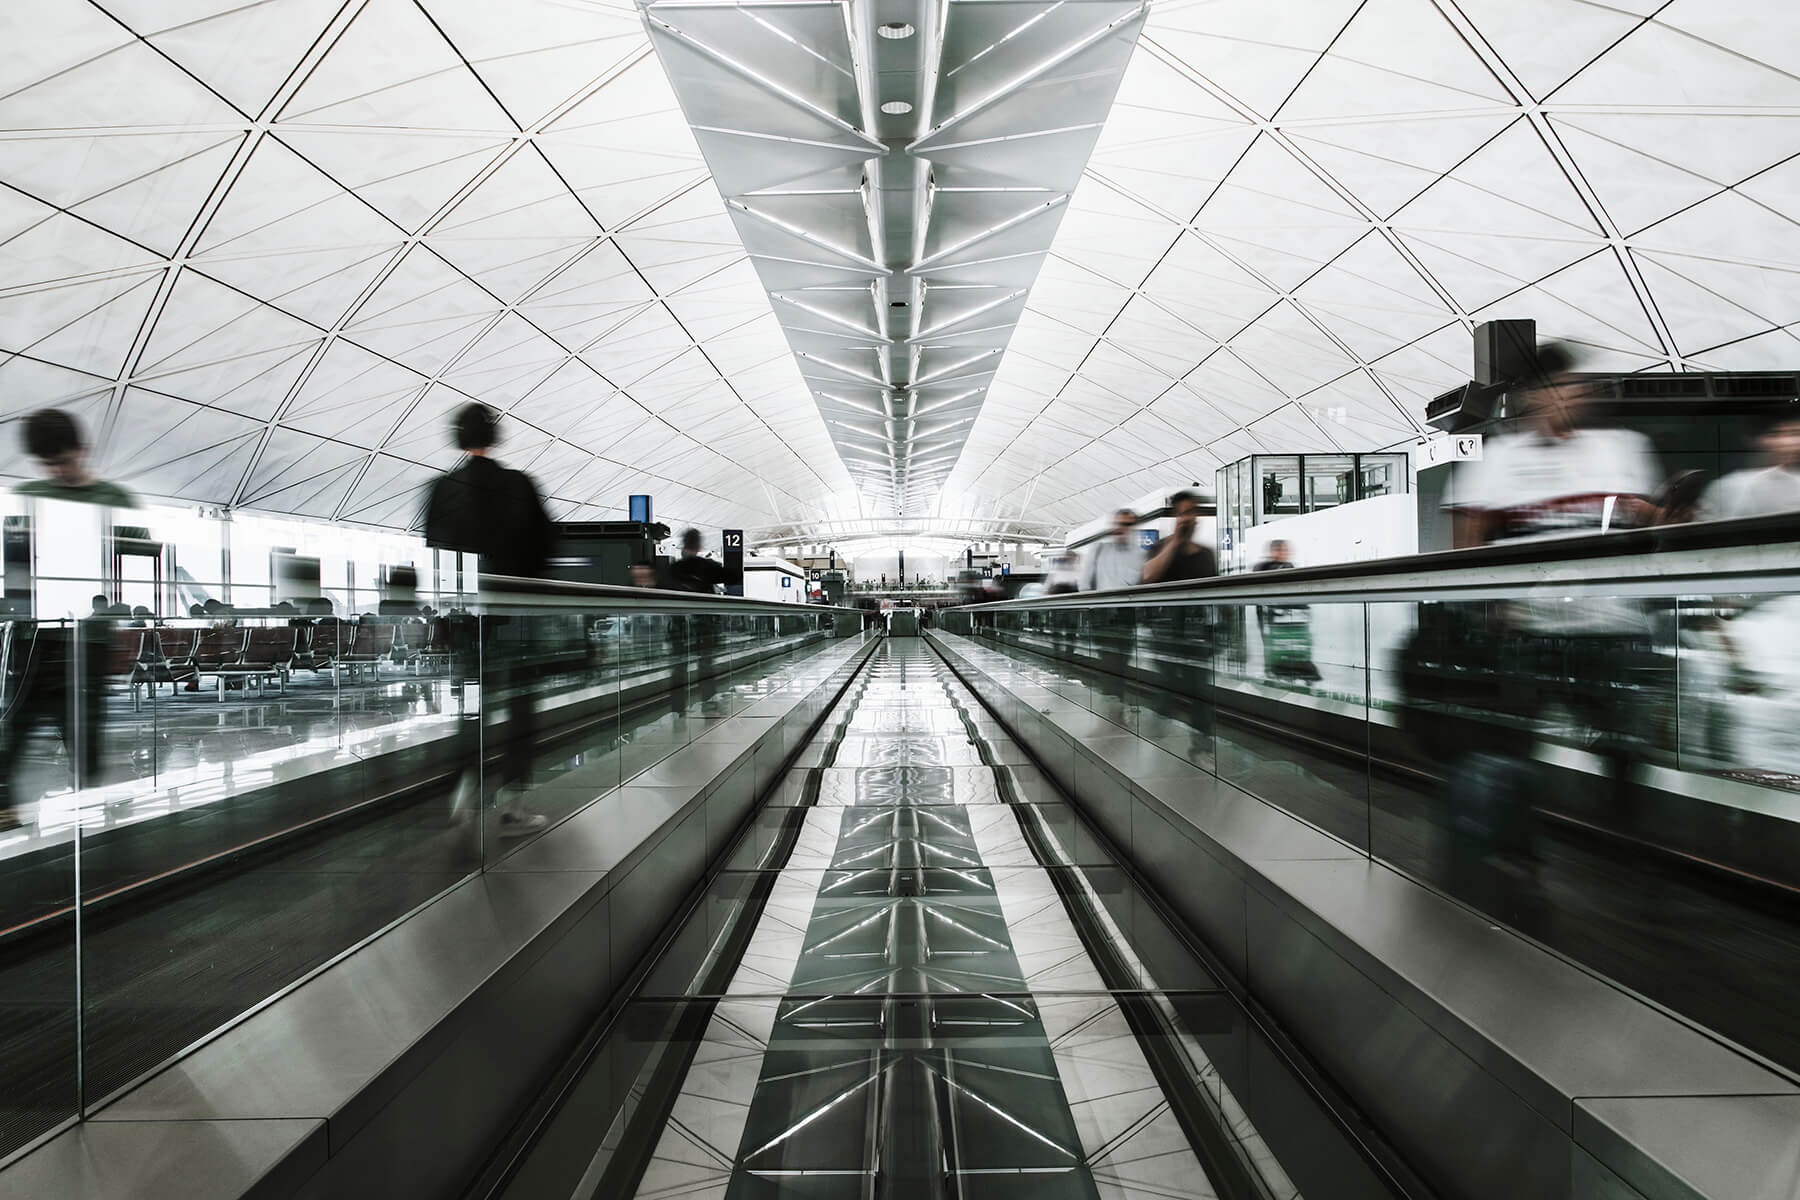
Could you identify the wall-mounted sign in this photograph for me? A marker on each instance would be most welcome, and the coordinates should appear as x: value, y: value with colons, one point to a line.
x: 787, y: 581
x: 1457, y: 447
x: 1147, y: 538
x: 733, y: 561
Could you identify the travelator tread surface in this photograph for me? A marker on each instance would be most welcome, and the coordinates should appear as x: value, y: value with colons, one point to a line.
x: 918, y: 975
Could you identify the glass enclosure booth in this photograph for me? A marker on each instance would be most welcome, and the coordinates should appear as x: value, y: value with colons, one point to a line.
x: 1269, y: 487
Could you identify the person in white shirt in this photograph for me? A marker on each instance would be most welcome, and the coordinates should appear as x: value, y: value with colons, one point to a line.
x: 1773, y: 487
x: 1588, y: 655
x: 1556, y: 477
x: 1757, y: 660
x: 1117, y: 562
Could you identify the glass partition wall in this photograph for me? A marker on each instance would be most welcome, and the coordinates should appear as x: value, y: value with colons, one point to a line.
x: 1612, y: 769
x: 200, y: 812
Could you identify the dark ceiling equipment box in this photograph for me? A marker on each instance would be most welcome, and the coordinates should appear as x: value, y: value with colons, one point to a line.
x: 603, y: 551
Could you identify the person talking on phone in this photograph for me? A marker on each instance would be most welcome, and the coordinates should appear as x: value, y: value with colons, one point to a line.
x: 1179, y: 557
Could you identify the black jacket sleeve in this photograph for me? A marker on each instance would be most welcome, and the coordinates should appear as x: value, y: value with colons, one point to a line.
x: 535, y: 529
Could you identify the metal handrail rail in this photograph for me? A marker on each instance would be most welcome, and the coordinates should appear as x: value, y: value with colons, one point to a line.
x: 1756, y: 554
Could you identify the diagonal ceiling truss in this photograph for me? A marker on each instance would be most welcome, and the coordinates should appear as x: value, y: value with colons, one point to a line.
x: 897, y: 170
x: 263, y: 248
x: 1298, y: 211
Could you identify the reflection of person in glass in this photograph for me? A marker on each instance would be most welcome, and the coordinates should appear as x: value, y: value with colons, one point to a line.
x: 1286, y: 629
x: 46, y: 659
x: 486, y: 509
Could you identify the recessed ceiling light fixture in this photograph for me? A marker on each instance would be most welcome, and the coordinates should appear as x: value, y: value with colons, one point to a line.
x: 896, y: 108
x: 895, y: 30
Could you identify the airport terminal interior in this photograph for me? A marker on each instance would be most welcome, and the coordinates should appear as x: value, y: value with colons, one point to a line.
x: 900, y: 600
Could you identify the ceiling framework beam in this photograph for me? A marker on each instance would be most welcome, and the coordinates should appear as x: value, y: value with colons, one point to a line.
x: 827, y: 129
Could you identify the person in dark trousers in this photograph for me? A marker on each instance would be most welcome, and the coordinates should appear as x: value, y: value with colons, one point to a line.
x: 1184, y: 659
x: 60, y: 678
x: 1591, y: 657
x: 484, y: 508
x: 692, y: 572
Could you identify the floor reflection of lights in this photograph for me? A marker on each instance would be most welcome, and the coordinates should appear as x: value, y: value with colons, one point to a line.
x: 915, y: 980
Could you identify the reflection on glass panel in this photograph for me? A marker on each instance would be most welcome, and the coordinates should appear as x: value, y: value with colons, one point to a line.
x: 39, y: 1059
x: 1381, y: 475
x: 1330, y: 481
x: 1278, y: 492
x: 255, y: 791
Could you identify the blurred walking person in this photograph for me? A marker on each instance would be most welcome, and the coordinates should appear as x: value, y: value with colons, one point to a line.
x: 692, y: 635
x: 486, y: 509
x: 62, y: 679
x: 1117, y: 561
x: 1589, y: 656
x: 1772, y: 487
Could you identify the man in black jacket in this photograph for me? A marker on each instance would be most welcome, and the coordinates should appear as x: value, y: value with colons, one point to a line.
x: 483, y: 508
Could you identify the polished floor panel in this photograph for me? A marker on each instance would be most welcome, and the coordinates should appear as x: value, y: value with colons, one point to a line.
x: 915, y: 1012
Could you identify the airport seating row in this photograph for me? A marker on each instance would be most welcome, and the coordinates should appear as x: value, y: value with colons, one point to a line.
x: 263, y: 656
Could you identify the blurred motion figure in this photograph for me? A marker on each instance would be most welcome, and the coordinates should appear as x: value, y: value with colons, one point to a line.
x: 1180, y: 557
x: 1557, y: 476
x: 1588, y: 658
x: 61, y: 673
x: 54, y: 438
x: 1760, y: 491
x: 486, y: 509
x: 1117, y: 562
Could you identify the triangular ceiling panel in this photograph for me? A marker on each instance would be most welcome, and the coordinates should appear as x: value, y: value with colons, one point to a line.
x: 266, y: 249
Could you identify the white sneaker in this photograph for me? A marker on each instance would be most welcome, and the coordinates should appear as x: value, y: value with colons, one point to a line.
x: 520, y: 821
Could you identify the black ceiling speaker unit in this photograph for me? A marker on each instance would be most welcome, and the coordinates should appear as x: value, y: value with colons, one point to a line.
x: 1463, y: 407
x: 1505, y: 352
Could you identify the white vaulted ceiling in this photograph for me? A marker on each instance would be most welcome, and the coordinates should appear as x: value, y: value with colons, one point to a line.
x: 265, y: 248
x: 1298, y: 210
